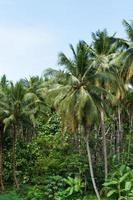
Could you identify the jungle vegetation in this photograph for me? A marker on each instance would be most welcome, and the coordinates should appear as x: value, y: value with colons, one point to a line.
x: 68, y: 135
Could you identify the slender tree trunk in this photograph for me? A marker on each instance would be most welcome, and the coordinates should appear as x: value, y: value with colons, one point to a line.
x: 115, y: 136
x: 119, y: 133
x: 131, y: 121
x: 129, y: 139
x: 104, y: 144
x: 90, y: 165
x: 79, y: 139
x: 129, y: 147
x: 14, y: 157
x: 1, y: 159
x: 63, y: 134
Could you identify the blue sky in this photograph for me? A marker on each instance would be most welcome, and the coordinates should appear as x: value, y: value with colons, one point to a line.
x: 33, y: 32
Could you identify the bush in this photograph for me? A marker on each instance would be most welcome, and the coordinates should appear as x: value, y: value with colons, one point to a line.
x: 120, y: 184
x: 35, y: 193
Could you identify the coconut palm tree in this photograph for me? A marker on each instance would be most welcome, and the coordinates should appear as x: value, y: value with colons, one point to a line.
x: 14, y: 110
x: 103, y: 54
x: 3, y: 87
x: 128, y: 54
x: 1, y: 155
x: 123, y: 71
x: 35, y: 94
x: 76, y: 99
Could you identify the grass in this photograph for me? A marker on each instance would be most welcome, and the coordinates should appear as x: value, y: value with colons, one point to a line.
x: 93, y: 198
x: 10, y: 196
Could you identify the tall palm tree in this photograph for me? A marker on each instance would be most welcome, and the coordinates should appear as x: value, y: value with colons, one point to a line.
x: 1, y: 152
x: 128, y: 54
x: 103, y: 54
x: 123, y: 71
x: 3, y: 87
x: 1, y: 156
x: 76, y: 100
x: 15, y: 109
x: 35, y: 93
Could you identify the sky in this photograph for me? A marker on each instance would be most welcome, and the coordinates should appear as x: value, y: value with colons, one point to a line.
x: 34, y: 32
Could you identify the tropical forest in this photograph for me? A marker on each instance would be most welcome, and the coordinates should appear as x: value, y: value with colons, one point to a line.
x: 68, y: 134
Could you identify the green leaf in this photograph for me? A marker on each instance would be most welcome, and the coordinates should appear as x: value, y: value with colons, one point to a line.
x: 123, y: 177
x: 128, y: 186
x: 111, y: 192
x: 110, y: 183
x: 122, y: 168
x: 71, y: 191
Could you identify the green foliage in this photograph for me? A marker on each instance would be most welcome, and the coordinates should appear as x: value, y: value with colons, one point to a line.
x: 48, y: 126
x: 35, y: 194
x: 47, y: 122
x: 120, y: 184
x: 10, y: 195
x: 75, y: 185
x: 52, y: 186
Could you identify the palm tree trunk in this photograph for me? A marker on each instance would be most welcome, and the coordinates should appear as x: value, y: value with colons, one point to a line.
x: 104, y: 144
x: 14, y: 157
x: 119, y: 133
x: 129, y: 139
x: 90, y: 165
x: 1, y: 159
x: 131, y: 120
